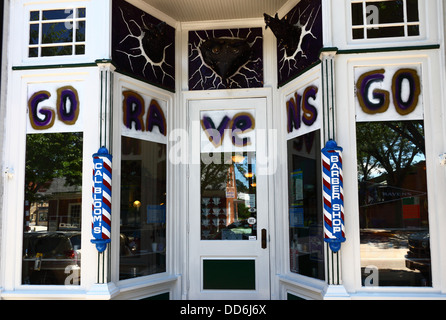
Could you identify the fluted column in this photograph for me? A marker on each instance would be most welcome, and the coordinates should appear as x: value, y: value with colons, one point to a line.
x: 332, y: 259
x: 106, y: 74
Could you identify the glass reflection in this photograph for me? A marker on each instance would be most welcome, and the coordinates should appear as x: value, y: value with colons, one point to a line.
x: 393, y: 204
x: 53, y: 203
x: 228, y: 196
x: 385, y: 19
x: 59, y: 27
x: 143, y: 208
x: 305, y: 206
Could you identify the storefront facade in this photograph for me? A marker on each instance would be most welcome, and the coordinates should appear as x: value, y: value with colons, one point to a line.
x: 298, y: 155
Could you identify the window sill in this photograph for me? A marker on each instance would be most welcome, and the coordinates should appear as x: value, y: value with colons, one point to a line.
x: 303, y: 286
x: 153, y: 283
x: 37, y: 293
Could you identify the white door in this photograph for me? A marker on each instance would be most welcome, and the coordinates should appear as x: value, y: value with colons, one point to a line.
x: 228, y: 200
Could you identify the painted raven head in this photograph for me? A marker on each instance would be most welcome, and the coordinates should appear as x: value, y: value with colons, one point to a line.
x: 155, y: 41
x: 287, y: 35
x: 225, y: 55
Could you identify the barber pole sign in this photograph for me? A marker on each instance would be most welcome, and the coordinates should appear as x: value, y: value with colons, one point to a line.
x: 101, y: 217
x: 334, y: 231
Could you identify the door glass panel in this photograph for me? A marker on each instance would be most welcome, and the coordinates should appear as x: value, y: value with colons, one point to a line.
x: 228, y: 196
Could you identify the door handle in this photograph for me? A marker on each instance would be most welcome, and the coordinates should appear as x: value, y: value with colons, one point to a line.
x: 263, y: 238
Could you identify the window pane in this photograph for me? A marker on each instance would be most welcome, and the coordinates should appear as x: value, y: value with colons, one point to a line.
x: 388, y: 11
x: 81, y: 12
x: 305, y: 206
x: 57, y: 32
x: 58, y: 14
x: 228, y: 196
x: 358, y: 33
x: 34, y: 15
x: 80, y: 31
x: 393, y: 204
x: 385, y: 32
x: 53, y: 197
x: 357, y: 14
x: 413, y: 30
x: 80, y: 49
x: 143, y: 208
x: 33, y: 52
x: 62, y: 27
x: 33, y: 34
x: 385, y: 19
x: 412, y: 11
x: 57, y: 51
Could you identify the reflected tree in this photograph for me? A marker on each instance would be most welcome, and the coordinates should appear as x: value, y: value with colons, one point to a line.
x: 389, y: 148
x: 214, y: 175
x: 50, y: 156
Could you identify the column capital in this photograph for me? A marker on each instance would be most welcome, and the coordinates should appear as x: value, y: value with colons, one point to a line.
x: 328, y: 53
x: 106, y: 64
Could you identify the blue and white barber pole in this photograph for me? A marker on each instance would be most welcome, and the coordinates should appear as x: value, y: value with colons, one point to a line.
x: 334, y: 231
x: 101, y: 215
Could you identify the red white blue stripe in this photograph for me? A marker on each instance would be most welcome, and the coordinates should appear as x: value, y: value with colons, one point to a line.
x: 101, y: 215
x: 333, y: 195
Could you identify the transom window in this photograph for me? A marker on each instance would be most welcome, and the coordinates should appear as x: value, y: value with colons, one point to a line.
x: 59, y: 32
x: 385, y: 19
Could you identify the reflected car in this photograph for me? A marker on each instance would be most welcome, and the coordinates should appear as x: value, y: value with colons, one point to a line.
x: 418, y: 257
x: 51, y: 258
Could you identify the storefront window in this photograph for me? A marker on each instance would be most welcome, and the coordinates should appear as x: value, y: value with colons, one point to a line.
x: 143, y: 208
x: 305, y: 205
x: 53, y: 201
x: 57, y: 32
x: 393, y: 205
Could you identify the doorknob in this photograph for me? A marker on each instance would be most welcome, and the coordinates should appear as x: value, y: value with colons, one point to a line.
x: 263, y: 238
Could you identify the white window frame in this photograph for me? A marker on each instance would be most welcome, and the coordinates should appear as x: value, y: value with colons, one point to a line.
x: 291, y: 282
x: 73, y: 20
x: 338, y: 34
x: 153, y: 283
x: 404, y: 24
x: 434, y: 138
x: 14, y: 161
x: 97, y: 32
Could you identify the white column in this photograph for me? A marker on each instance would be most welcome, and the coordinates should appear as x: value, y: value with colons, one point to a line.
x: 104, y: 288
x: 335, y: 289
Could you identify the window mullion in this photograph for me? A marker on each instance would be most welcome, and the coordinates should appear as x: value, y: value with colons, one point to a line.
x: 364, y: 18
x: 406, y: 32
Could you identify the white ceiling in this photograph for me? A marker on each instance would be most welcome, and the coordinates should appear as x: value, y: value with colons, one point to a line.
x: 205, y: 10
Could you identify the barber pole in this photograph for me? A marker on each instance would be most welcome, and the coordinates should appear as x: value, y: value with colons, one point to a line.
x: 334, y: 231
x: 101, y: 217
